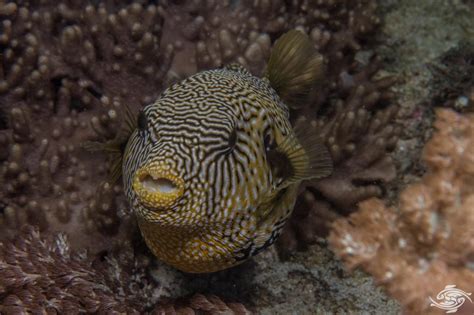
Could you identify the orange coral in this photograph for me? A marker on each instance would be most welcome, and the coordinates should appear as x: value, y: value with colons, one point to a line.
x: 427, y: 242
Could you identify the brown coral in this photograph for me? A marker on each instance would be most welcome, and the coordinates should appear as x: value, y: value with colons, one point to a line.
x: 65, y: 74
x: 57, y: 92
x: 41, y: 274
x: 200, y: 304
x: 209, y: 34
x: 426, y: 242
x: 68, y: 70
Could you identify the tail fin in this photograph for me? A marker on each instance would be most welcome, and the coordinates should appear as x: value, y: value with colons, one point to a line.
x: 294, y: 67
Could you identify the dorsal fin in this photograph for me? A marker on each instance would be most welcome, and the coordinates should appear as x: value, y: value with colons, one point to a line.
x: 294, y: 67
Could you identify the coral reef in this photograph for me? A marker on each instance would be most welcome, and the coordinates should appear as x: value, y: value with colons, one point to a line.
x: 67, y: 72
x: 41, y: 274
x: 57, y: 92
x: 213, y: 33
x: 201, y: 304
x: 56, y: 70
x: 426, y: 241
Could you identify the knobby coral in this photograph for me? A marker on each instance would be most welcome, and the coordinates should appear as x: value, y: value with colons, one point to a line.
x: 208, y: 34
x: 426, y: 241
x: 67, y: 72
x: 41, y: 274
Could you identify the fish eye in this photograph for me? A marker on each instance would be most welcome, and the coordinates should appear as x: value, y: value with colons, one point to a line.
x: 232, y: 139
x: 231, y: 142
x: 269, y: 140
x: 142, y: 121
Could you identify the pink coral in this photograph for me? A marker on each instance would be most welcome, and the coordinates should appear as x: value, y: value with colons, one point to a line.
x: 426, y: 242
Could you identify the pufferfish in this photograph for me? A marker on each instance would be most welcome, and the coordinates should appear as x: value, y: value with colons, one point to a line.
x: 213, y: 167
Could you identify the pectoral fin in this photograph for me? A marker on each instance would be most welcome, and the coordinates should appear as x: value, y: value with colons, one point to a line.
x: 301, y: 156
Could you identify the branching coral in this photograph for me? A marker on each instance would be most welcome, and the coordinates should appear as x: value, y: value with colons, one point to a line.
x: 66, y: 72
x: 41, y: 274
x: 426, y: 242
x: 57, y: 92
x: 201, y: 304
x: 208, y: 33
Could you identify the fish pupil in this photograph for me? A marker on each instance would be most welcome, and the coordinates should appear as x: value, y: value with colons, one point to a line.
x: 268, y: 142
x: 232, y: 139
x: 142, y: 121
x: 231, y: 143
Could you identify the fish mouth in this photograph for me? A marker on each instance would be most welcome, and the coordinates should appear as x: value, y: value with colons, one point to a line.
x: 157, y: 186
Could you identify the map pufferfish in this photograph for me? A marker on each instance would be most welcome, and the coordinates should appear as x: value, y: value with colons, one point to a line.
x: 213, y: 167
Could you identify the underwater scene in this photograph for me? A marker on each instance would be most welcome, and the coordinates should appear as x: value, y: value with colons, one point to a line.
x: 237, y: 157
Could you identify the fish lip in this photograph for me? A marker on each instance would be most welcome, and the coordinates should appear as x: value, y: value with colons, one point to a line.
x: 157, y: 199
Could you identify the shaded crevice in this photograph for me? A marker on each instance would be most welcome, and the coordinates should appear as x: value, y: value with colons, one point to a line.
x: 56, y: 84
x: 3, y: 120
x: 94, y: 92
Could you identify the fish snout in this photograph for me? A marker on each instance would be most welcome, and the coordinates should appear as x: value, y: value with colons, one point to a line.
x: 157, y: 186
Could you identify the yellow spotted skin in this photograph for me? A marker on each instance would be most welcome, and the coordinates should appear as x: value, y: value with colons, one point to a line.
x: 207, y: 136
